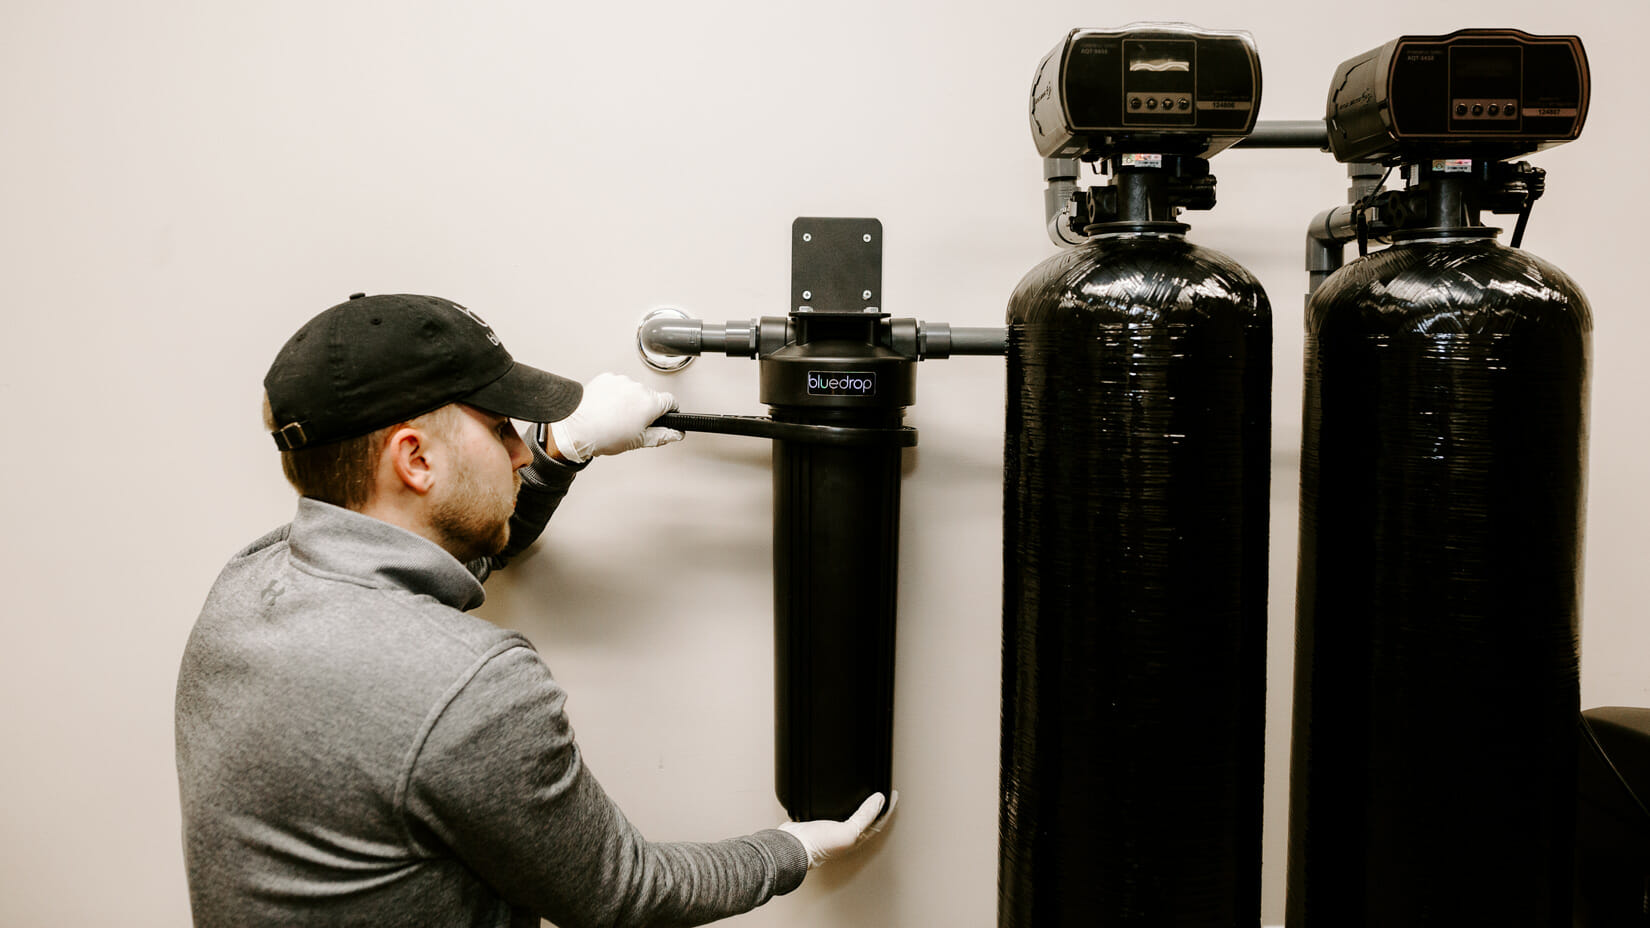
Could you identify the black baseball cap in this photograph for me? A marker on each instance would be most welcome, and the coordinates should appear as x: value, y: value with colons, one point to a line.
x: 373, y: 361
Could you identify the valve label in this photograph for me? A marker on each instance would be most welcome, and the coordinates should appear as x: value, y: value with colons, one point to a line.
x: 842, y: 383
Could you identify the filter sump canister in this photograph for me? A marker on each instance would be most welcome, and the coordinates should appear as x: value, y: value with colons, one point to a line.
x: 836, y: 557
x: 1135, y: 566
x: 1436, y: 694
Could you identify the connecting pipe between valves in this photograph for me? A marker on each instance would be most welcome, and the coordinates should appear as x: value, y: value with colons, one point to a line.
x: 668, y: 338
x: 1287, y: 133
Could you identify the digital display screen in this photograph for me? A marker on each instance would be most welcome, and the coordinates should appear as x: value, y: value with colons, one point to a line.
x: 1486, y: 62
x: 1159, y: 64
x: 1486, y: 71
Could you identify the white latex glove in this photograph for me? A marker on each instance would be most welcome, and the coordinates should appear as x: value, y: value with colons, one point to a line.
x: 825, y: 839
x: 616, y: 414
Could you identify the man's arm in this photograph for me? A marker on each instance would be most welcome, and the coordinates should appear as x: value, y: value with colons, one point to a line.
x: 615, y: 415
x: 502, y: 784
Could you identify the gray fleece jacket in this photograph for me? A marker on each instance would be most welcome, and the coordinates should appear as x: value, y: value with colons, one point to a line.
x: 354, y: 749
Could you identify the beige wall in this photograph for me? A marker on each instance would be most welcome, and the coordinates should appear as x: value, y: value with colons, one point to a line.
x: 183, y: 183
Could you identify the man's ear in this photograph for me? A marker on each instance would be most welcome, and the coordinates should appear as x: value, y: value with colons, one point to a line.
x: 407, y: 459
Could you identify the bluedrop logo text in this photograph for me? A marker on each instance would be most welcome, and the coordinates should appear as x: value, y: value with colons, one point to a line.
x: 842, y: 383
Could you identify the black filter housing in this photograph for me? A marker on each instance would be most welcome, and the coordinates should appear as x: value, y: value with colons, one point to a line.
x: 1436, y: 676
x: 836, y: 556
x: 1137, y: 464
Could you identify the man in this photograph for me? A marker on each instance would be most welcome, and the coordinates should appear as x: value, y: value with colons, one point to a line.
x: 353, y: 748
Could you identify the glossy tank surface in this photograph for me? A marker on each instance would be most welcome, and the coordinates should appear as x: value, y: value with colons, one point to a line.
x: 1436, y: 693
x: 1136, y: 481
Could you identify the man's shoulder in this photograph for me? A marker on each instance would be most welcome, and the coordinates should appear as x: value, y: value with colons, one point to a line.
x: 270, y: 539
x: 383, y: 623
x: 269, y: 602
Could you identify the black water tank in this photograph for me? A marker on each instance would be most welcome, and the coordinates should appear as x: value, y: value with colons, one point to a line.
x: 1442, y: 475
x: 1135, y: 569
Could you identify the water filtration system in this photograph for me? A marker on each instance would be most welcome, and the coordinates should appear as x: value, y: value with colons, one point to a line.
x: 1442, y: 472
x: 1137, y: 460
x: 837, y: 374
x: 1434, y: 759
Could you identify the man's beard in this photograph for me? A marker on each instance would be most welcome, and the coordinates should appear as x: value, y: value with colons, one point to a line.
x: 472, y: 521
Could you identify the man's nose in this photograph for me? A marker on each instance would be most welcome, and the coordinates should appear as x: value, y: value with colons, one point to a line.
x: 520, y: 454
